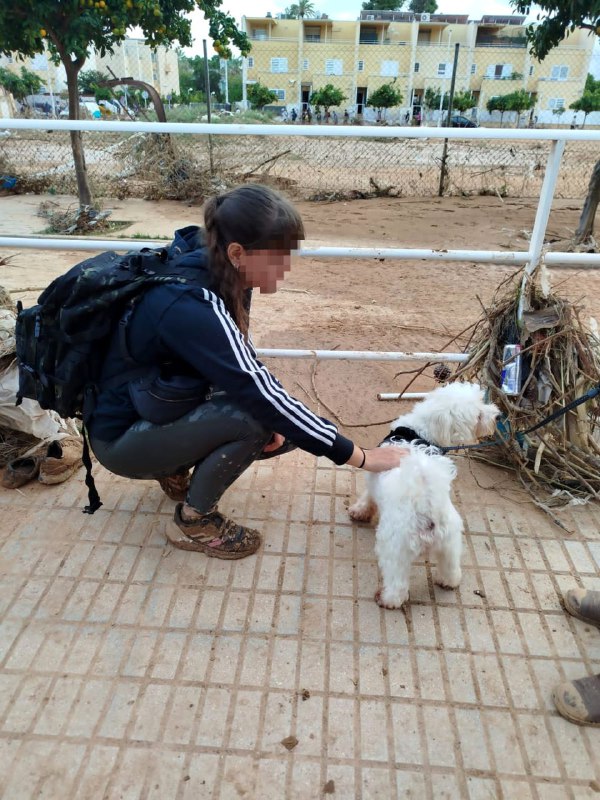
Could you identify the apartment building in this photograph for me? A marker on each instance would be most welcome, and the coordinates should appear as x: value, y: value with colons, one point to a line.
x: 133, y: 59
x: 415, y: 51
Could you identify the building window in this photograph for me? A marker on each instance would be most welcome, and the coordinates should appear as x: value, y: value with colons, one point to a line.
x: 444, y: 70
x: 259, y: 33
x: 312, y: 34
x: 250, y: 62
x: 389, y: 69
x: 556, y: 102
x: 559, y: 74
x: 498, y: 72
x: 531, y: 70
x: 279, y: 92
x: 279, y: 65
x: 361, y: 66
x: 334, y: 66
x: 473, y: 69
x: 417, y: 66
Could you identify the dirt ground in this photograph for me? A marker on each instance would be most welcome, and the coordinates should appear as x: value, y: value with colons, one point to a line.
x: 350, y: 304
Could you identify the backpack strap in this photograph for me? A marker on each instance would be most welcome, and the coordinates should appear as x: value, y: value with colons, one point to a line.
x: 93, y: 496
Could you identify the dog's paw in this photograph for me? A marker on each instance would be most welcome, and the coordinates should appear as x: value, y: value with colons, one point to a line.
x: 360, y: 513
x: 448, y: 581
x: 391, y: 603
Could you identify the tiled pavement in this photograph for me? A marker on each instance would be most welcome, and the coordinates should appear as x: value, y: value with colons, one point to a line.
x: 131, y: 670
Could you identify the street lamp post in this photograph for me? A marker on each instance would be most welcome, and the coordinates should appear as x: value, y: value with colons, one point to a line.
x: 443, y: 92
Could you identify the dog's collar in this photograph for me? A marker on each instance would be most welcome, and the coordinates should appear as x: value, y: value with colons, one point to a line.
x: 406, y: 435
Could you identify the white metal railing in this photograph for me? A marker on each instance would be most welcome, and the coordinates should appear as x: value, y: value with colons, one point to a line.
x: 530, y: 257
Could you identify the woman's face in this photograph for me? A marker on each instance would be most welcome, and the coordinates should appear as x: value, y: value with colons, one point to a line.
x: 261, y: 269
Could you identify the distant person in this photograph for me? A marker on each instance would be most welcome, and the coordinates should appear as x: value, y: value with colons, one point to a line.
x: 294, y: 115
x: 346, y: 117
x: 327, y: 117
x: 335, y: 117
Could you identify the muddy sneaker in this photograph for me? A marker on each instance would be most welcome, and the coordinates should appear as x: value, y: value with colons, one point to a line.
x: 20, y: 471
x: 583, y: 604
x: 176, y: 486
x: 579, y: 700
x: 62, y: 459
x: 212, y: 534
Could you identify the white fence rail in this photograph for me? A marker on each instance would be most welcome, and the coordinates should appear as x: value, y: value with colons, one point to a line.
x: 530, y: 258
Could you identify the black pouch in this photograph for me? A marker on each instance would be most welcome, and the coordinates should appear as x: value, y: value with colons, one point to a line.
x: 161, y: 399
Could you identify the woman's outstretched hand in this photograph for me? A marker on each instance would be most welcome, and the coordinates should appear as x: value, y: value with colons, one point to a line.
x: 378, y: 459
x: 274, y: 443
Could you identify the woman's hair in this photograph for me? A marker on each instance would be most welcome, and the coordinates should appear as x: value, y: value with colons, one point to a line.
x: 255, y: 217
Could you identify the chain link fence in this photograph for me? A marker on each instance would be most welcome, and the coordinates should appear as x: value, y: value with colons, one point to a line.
x: 310, y: 168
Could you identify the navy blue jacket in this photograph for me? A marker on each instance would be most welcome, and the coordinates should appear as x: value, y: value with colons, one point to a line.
x: 188, y: 325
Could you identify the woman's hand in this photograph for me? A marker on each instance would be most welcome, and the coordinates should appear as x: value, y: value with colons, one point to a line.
x: 275, y: 443
x: 379, y: 459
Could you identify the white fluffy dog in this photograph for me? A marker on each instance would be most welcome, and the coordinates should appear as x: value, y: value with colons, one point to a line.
x: 416, y: 515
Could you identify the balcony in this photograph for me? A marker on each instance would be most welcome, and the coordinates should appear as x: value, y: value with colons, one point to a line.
x: 501, y: 41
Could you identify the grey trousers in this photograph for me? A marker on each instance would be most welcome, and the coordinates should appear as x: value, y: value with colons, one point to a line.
x: 217, y: 439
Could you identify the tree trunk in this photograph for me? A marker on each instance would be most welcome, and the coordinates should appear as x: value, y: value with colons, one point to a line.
x: 585, y: 229
x: 83, y: 187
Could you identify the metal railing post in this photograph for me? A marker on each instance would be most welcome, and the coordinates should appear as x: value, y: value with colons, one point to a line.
x: 542, y: 216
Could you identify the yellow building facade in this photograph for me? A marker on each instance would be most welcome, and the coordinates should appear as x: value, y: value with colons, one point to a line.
x: 131, y: 59
x: 415, y: 52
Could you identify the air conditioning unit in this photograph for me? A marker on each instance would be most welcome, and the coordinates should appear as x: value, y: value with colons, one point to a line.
x: 371, y: 16
x: 425, y: 17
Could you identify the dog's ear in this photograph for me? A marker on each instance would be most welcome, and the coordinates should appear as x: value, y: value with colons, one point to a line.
x: 455, y: 424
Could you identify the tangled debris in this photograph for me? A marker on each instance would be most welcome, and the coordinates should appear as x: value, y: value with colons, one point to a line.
x: 79, y: 219
x: 558, y: 362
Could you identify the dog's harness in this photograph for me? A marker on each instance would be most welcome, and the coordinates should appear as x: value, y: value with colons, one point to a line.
x: 403, y: 435
x: 407, y: 435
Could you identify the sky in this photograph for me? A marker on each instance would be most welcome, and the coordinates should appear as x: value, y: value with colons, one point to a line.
x: 338, y: 9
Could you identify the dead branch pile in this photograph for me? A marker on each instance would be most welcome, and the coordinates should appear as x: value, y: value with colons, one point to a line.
x: 559, y: 362
x: 74, y: 219
x: 155, y: 165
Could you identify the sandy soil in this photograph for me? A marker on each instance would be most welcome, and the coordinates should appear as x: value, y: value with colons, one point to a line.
x: 348, y: 304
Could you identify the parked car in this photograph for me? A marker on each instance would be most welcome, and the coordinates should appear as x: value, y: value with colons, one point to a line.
x: 458, y: 121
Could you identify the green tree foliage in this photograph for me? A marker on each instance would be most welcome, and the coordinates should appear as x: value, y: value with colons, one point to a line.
x: 591, y: 84
x: 519, y: 102
x: 192, y: 76
x: 423, y: 6
x: 462, y: 101
x: 383, y: 5
x: 89, y: 82
x: 556, y: 19
x: 259, y: 96
x: 498, y: 104
x: 590, y: 99
x: 588, y: 103
x: 71, y: 28
x: 431, y: 98
x: 327, y: 97
x: 21, y: 85
x: 385, y: 97
x: 303, y: 9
